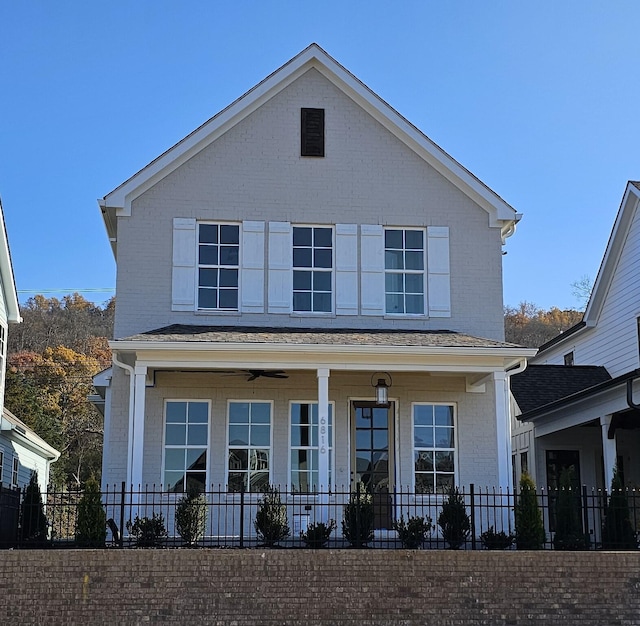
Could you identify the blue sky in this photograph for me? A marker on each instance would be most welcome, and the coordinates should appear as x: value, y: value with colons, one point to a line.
x: 538, y: 99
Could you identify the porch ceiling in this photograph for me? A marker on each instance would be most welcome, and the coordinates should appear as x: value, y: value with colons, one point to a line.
x: 190, y: 346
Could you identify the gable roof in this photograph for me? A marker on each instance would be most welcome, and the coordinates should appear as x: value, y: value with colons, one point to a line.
x: 9, y: 292
x: 540, y: 385
x: 615, y: 245
x: 11, y: 426
x: 118, y: 202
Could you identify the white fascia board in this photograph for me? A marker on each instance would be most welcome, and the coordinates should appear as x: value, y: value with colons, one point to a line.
x: 501, y: 214
x: 611, y: 258
x: 6, y: 272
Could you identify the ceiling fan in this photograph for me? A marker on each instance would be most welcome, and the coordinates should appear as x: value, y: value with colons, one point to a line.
x: 253, y: 374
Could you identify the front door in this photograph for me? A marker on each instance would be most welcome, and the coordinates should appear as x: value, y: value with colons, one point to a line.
x: 372, y: 459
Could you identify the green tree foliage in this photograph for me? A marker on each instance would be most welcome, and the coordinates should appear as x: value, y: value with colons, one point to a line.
x: 569, y: 534
x: 91, y: 528
x: 617, y: 531
x: 271, y: 523
x: 530, y: 534
x: 453, y: 520
x: 33, y: 522
x: 528, y: 325
x: 357, y: 525
x: 191, y: 516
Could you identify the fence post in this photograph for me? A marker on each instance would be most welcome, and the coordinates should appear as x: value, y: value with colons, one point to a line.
x: 122, y: 497
x: 242, y: 515
x: 473, y: 515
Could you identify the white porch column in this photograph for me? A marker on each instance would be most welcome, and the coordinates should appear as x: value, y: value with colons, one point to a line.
x: 323, y: 441
x: 137, y: 448
x: 503, y: 431
x: 609, y: 450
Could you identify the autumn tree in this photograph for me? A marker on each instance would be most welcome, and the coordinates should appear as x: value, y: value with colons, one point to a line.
x: 528, y: 325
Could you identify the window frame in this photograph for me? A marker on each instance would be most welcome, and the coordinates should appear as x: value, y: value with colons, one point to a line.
x: 199, y: 266
x: 404, y: 272
x: 248, y: 447
x: 1, y: 465
x: 15, y: 472
x: 311, y: 269
x: 186, y: 446
x: 434, y: 448
x: 291, y: 448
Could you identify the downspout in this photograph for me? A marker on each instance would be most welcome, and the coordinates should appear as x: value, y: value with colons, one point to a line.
x: 518, y: 369
x: 132, y: 387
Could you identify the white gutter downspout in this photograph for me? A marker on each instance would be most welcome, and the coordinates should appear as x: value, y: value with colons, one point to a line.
x: 518, y: 369
x: 132, y: 387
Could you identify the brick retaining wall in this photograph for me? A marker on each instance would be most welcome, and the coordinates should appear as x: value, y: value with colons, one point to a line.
x: 391, y: 587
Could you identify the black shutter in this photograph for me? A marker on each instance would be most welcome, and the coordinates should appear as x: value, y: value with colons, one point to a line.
x: 312, y: 132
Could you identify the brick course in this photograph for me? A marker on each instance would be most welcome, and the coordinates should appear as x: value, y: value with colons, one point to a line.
x: 233, y: 587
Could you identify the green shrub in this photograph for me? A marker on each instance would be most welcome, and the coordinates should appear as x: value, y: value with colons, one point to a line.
x: 530, y: 533
x: 617, y: 531
x: 414, y: 531
x: 33, y: 522
x: 492, y: 540
x: 148, y: 532
x: 191, y: 516
x: 454, y: 521
x: 91, y: 526
x: 271, y: 523
x: 317, y: 534
x: 568, y: 510
x: 357, y: 524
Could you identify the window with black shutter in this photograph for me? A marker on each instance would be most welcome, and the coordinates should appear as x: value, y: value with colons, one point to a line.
x: 312, y: 132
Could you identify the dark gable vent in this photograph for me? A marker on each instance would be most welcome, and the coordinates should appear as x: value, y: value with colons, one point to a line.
x: 312, y: 132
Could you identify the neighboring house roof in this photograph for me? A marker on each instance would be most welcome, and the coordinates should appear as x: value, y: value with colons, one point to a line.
x: 540, y: 386
x: 9, y: 294
x: 615, y: 246
x: 12, y: 426
x: 118, y: 202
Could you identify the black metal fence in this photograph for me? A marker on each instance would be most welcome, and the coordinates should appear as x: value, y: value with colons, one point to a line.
x: 340, y: 517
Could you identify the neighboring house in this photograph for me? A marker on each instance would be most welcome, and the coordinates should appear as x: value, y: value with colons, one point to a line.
x: 575, y: 401
x: 302, y: 245
x: 21, y: 450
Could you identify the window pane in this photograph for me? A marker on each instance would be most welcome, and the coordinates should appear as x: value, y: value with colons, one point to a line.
x: 174, y: 459
x: 228, y: 255
x: 175, y: 435
x: 394, y: 303
x: 208, y: 233
x: 424, y: 483
x: 414, y: 260
x: 260, y: 412
x: 239, y: 412
x: 177, y: 412
x: 444, y: 415
x: 197, y: 435
x: 174, y: 481
x: 300, y: 460
x: 444, y: 483
x: 413, y: 239
x: 302, y: 301
x: 229, y: 298
x: 260, y: 435
x: 393, y: 260
x: 423, y: 437
x: 380, y: 440
x: 423, y: 414
x: 322, y: 258
x: 444, y: 462
x: 414, y: 283
x: 444, y: 437
x: 302, y: 257
x: 228, y: 278
x: 208, y: 255
x: 195, y: 481
x: 198, y: 413
x: 197, y: 459
x: 207, y: 299
x: 238, y: 435
x: 302, y: 236
x: 258, y: 481
x: 414, y: 304
x: 393, y: 239
x: 322, y: 281
x: 238, y: 460
x: 236, y: 480
x: 322, y: 237
x: 394, y: 282
x: 423, y: 461
x: 208, y: 277
x: 259, y: 460
x: 229, y: 233
x: 322, y: 302
x: 302, y: 280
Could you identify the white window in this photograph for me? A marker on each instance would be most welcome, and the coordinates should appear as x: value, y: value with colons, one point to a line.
x: 312, y: 269
x: 404, y: 271
x: 434, y: 449
x: 186, y: 440
x: 218, y: 258
x: 1, y: 464
x: 249, y: 445
x: 14, y: 471
x: 3, y: 356
x: 305, y: 446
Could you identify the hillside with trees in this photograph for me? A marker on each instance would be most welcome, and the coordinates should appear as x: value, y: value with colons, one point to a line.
x: 528, y: 325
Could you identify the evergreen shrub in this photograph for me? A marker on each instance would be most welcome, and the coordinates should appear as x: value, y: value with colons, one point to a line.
x: 454, y: 521
x: 91, y: 525
x: 33, y: 521
x: 530, y: 534
x: 357, y: 524
x: 191, y: 516
x: 271, y: 523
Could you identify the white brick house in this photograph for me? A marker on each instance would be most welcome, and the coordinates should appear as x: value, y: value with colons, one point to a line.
x: 301, y: 245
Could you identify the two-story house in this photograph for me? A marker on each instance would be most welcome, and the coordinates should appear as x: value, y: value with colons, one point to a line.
x: 577, y: 401
x: 301, y: 252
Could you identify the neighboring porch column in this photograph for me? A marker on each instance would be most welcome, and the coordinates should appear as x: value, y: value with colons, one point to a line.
x: 137, y: 449
x: 323, y: 442
x: 609, y: 450
x: 503, y: 431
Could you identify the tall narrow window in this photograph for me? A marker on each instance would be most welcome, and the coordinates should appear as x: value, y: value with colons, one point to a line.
x: 14, y: 472
x: 568, y: 358
x: 404, y: 271
x: 1, y: 465
x: 312, y: 269
x: 434, y: 447
x: 249, y: 445
x: 312, y: 132
x: 218, y: 257
x: 304, y: 447
x: 186, y: 441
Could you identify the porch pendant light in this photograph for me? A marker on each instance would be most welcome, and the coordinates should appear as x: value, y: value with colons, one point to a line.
x: 382, y: 388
